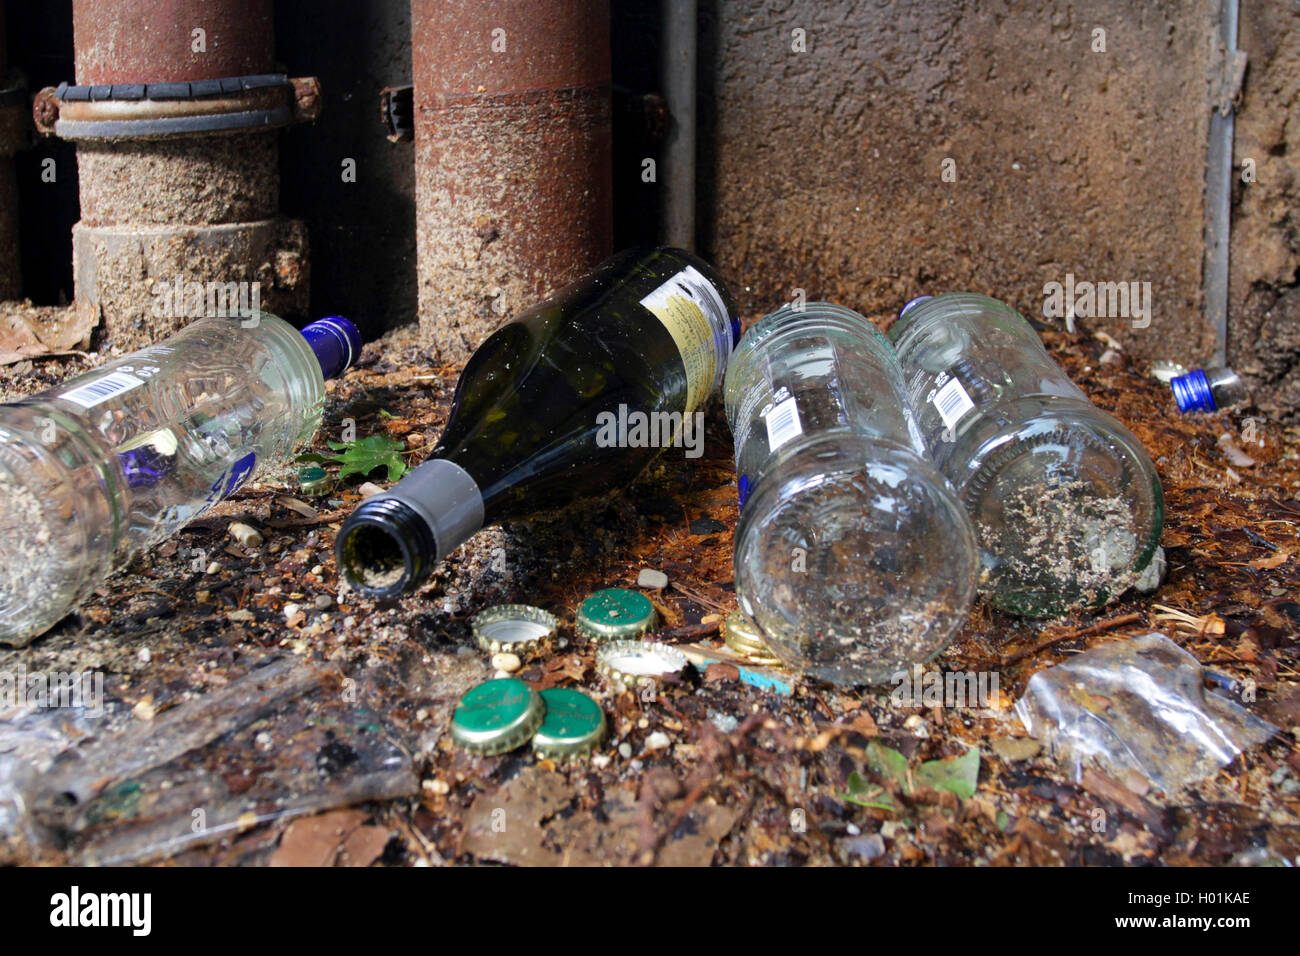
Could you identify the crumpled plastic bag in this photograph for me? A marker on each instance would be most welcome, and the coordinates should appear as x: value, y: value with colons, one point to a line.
x: 1138, y: 704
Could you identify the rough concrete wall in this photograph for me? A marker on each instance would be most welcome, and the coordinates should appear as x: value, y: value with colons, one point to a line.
x: 829, y: 163
x: 1264, y: 282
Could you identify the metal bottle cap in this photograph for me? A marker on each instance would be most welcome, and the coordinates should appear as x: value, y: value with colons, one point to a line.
x: 497, y: 716
x: 616, y: 613
x: 314, y: 480
x: 574, y: 724
x: 626, y: 662
x: 741, y: 634
x: 513, y: 627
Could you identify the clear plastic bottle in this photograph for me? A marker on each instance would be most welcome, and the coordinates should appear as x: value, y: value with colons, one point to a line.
x: 111, y: 462
x: 853, y: 555
x: 1208, y: 389
x: 1065, y: 501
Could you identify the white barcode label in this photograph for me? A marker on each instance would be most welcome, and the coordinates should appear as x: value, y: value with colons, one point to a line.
x: 101, y: 389
x: 783, y: 423
x: 952, y: 402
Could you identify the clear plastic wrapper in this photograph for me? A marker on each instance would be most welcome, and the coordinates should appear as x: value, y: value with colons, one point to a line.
x: 1139, y: 704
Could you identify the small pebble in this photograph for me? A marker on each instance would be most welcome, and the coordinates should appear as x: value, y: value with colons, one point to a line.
x: 869, y: 847
x: 600, y: 761
x: 657, y: 741
x: 143, y: 655
x: 144, y: 710
x: 625, y: 750
x: 725, y: 722
x: 290, y: 610
x: 369, y: 488
x: 246, y: 535
x: 650, y: 578
x: 323, y: 601
x: 1014, y: 749
x: 498, y: 675
x: 436, y: 786
x: 505, y: 661
x: 214, y: 567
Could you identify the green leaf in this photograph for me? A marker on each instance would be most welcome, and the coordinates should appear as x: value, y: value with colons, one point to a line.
x: 867, y: 794
x: 364, y: 455
x: 888, y: 763
x: 959, y: 775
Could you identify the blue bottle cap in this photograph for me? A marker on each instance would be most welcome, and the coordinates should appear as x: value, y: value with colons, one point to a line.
x: 336, y: 342
x: 1192, y: 392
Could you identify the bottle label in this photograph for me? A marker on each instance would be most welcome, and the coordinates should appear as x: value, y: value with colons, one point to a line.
x: 229, y: 481
x: 952, y: 403
x: 101, y: 389
x: 782, y: 420
x: 691, y: 310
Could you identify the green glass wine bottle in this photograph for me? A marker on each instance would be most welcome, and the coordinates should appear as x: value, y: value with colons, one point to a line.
x: 570, y: 399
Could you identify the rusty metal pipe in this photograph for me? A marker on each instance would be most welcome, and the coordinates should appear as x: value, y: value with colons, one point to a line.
x: 201, y: 203
x: 512, y: 157
x: 152, y: 41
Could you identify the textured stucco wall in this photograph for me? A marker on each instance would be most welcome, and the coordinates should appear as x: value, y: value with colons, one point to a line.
x: 828, y: 167
x: 1264, y: 283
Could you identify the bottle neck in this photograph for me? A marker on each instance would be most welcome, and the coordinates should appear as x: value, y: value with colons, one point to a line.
x: 393, y: 540
x: 335, y: 342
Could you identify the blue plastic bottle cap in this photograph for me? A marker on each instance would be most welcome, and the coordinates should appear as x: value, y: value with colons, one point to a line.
x: 1192, y: 392
x: 336, y: 342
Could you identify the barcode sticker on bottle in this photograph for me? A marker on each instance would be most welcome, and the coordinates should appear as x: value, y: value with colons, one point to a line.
x: 101, y: 389
x: 952, y: 403
x: 783, y: 423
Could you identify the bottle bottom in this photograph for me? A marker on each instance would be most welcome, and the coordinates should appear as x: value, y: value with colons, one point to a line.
x: 43, y: 551
x: 1067, y: 512
x: 856, y: 561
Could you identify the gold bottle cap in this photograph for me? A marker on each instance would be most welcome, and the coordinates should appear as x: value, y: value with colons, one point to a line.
x: 741, y: 634
x: 625, y: 663
x: 513, y: 627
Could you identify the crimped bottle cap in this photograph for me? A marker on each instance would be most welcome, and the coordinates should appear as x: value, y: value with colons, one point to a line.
x: 741, y: 634
x: 616, y: 614
x: 497, y: 716
x: 572, y: 727
x: 626, y: 662
x: 314, y: 480
x: 513, y: 627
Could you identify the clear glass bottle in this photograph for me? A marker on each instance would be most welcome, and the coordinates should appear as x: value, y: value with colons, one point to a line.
x: 1208, y: 389
x: 853, y: 555
x: 1065, y: 501
x: 111, y: 462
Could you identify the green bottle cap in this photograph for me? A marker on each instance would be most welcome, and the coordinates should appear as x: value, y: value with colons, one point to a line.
x: 314, y: 480
x: 616, y: 614
x: 497, y: 716
x: 574, y: 724
x: 513, y: 627
x: 741, y: 634
x: 625, y: 663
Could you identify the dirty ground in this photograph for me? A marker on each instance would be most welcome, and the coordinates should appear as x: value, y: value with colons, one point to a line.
x: 256, y: 715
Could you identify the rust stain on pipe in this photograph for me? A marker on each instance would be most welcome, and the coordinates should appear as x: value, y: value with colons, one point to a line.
x: 153, y: 41
x: 512, y: 156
